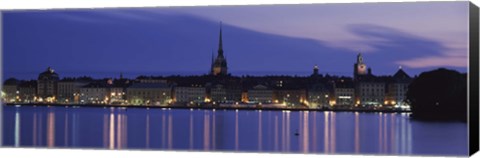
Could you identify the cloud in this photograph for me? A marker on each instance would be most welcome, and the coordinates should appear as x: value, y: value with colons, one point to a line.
x: 395, y: 46
x: 435, y: 62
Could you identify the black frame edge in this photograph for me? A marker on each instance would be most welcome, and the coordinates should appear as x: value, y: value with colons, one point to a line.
x: 473, y: 79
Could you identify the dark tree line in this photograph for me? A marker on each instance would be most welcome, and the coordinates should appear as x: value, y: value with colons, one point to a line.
x: 439, y: 95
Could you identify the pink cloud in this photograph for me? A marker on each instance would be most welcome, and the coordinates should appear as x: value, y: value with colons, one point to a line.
x: 435, y: 61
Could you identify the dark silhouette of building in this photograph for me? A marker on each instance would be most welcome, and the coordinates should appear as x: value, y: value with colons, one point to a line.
x: 219, y: 66
x: 315, y: 71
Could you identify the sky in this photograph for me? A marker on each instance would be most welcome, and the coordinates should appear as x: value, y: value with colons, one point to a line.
x: 257, y: 39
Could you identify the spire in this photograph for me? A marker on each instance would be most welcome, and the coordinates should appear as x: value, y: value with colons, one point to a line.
x: 359, y: 58
x: 220, y: 41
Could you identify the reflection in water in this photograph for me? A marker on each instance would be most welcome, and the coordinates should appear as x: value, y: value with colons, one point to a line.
x: 357, y: 133
x: 305, y: 132
x: 268, y: 131
x: 326, y: 136
x: 236, y: 130
x: 275, y: 142
x: 170, y: 132
x: 34, y: 131
x: 65, y: 130
x: 206, y: 131
x: 51, y: 129
x: 259, y: 131
x: 147, y: 131
x: 191, y: 131
x: 17, y: 129
x: 112, y: 131
x: 214, y: 129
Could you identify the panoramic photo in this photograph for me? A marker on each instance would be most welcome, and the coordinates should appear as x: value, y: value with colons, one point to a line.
x: 358, y: 78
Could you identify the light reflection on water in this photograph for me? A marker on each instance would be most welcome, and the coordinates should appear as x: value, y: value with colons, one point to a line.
x: 228, y: 130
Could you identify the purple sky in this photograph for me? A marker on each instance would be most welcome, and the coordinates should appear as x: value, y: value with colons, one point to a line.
x: 262, y: 39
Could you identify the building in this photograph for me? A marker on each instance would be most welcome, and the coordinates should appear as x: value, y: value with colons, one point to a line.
x: 94, y: 93
x: 359, y: 68
x: 27, y: 91
x: 186, y: 94
x: 218, y: 93
x: 219, y: 65
x: 69, y: 89
x: 47, y: 85
x: 260, y: 94
x: 315, y: 71
x: 397, y: 89
x: 344, y: 92
x: 117, y: 89
x: 318, y: 96
x: 65, y: 90
x: 159, y: 94
x: 10, y: 90
x: 290, y: 97
x: 371, y: 91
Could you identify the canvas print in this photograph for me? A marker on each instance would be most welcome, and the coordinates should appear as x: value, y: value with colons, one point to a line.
x: 359, y: 78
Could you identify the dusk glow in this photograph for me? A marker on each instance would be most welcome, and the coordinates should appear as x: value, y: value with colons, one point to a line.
x: 272, y: 39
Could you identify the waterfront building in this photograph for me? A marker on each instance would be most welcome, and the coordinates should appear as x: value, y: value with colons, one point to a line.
x: 27, y: 91
x: 10, y: 90
x: 318, y: 96
x: 290, y: 97
x: 218, y: 93
x: 65, y: 90
x: 47, y: 83
x: 219, y: 65
x: 118, y: 90
x: 94, y: 93
x: 397, y: 88
x: 371, y: 91
x: 186, y: 94
x: 69, y: 89
x: 344, y: 92
x: 260, y: 94
x: 159, y: 94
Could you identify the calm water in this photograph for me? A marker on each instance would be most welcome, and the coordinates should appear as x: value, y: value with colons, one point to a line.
x: 230, y: 130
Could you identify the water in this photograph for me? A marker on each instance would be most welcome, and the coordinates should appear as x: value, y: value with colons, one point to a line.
x: 230, y: 130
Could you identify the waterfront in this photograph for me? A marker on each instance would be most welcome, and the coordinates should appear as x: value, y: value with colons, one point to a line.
x: 230, y: 130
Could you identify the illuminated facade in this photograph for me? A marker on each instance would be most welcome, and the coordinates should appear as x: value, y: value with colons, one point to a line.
x: 344, y: 93
x: 158, y: 94
x: 260, y: 94
x: 94, y: 93
x: 10, y: 89
x: 318, y: 96
x: 27, y: 91
x: 398, y: 88
x: 185, y: 94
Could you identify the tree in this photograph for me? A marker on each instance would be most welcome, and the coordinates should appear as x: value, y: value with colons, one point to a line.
x: 439, y: 95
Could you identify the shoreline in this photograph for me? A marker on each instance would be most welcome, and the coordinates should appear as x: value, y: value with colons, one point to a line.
x: 209, y: 107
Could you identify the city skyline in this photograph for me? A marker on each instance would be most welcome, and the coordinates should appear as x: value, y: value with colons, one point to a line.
x: 161, y: 41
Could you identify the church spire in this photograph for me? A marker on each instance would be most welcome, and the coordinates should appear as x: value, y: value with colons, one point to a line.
x: 220, y: 42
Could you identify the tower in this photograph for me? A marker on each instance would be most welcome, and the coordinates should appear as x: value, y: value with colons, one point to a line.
x: 219, y: 66
x: 315, y: 70
x: 359, y: 68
